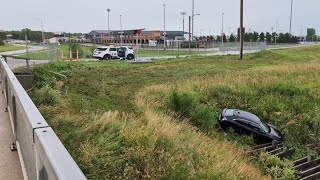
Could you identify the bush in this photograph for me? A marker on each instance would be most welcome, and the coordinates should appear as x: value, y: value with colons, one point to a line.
x: 282, y: 170
x: 46, y: 96
x: 186, y: 45
x: 73, y: 47
x: 1, y: 42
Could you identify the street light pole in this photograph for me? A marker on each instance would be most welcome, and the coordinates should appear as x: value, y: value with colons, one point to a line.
x: 222, y: 30
x: 291, y: 17
x: 241, y: 29
x: 42, y: 29
x: 183, y: 14
x: 109, y: 10
x: 121, y: 30
x: 190, y: 35
x: 164, y: 26
x: 192, y: 18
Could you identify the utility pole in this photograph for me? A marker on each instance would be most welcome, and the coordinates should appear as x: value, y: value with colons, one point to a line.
x: 192, y: 18
x: 164, y: 26
x: 276, y: 35
x: 183, y: 14
x: 42, y: 29
x: 241, y: 29
x: 121, y: 30
x: 190, y: 35
x: 222, y: 30
x: 109, y: 10
x: 291, y: 17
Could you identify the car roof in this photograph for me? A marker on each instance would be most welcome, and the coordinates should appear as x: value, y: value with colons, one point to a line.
x: 247, y: 116
x: 103, y: 47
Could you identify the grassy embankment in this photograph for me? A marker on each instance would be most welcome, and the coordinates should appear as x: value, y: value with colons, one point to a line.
x: 156, y: 121
x: 10, y: 47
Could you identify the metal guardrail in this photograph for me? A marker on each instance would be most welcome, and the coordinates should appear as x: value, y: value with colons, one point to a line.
x: 42, y: 154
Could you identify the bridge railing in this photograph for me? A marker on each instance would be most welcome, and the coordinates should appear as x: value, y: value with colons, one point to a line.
x: 42, y: 154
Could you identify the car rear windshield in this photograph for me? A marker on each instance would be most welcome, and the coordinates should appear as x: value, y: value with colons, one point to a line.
x: 113, y: 49
x: 101, y: 49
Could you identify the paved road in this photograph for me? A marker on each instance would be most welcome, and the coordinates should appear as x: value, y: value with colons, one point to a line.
x: 10, y: 168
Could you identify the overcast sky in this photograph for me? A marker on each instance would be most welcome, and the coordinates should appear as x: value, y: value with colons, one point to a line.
x: 86, y: 15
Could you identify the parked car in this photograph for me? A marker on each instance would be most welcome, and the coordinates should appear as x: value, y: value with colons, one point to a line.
x: 249, y: 124
x: 107, y: 53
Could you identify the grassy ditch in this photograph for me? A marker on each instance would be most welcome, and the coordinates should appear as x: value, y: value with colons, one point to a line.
x: 155, y: 121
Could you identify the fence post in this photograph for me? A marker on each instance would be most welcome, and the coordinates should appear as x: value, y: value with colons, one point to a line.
x: 77, y: 55
x: 27, y: 62
x: 70, y: 55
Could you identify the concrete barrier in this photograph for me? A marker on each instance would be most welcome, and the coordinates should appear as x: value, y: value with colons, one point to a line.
x: 42, y: 154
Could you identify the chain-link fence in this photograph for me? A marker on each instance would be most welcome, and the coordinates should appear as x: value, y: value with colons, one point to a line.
x: 247, y: 46
x: 53, y: 51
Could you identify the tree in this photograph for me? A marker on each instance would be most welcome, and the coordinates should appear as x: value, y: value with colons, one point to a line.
x: 269, y: 37
x: 247, y: 37
x: 262, y: 37
x: 311, y: 34
x: 1, y: 42
x: 232, y: 38
x: 218, y: 39
x: 255, y: 36
x: 25, y: 32
x: 224, y: 38
x: 74, y: 47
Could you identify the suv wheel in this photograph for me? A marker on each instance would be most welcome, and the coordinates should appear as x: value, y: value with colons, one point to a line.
x: 130, y: 57
x: 107, y: 57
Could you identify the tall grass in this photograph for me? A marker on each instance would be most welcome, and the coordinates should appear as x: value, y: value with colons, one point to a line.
x: 156, y: 121
x: 286, y: 96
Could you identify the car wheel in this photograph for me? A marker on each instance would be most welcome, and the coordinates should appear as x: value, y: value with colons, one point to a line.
x: 107, y: 57
x: 130, y: 57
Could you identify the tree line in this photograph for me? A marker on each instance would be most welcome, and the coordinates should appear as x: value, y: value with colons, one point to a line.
x: 255, y: 37
x: 33, y: 36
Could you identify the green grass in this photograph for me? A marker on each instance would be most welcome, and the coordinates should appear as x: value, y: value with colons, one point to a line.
x: 124, y: 121
x: 9, y: 47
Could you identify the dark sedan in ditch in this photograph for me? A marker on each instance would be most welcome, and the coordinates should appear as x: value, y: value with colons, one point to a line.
x: 246, y: 123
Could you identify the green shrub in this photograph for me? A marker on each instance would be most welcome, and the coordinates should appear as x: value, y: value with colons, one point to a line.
x: 74, y: 47
x: 46, y: 96
x: 186, y: 45
x: 1, y: 42
x: 279, y: 169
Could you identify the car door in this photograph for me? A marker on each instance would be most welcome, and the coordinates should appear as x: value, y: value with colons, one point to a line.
x: 241, y: 127
x: 247, y: 127
x: 114, y: 52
